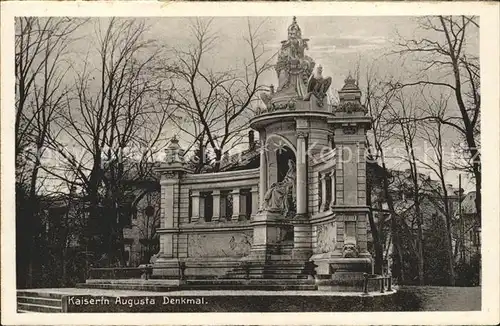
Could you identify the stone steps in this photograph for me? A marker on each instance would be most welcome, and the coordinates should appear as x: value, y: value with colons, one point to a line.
x: 253, y: 281
x: 260, y: 287
x: 272, y: 269
x: 33, y: 301
x: 129, y: 286
x: 251, y: 284
x: 265, y: 275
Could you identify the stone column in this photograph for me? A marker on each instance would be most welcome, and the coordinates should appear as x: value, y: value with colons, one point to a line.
x: 216, y: 205
x: 236, y: 204
x: 255, y: 200
x: 243, y: 204
x: 302, y: 231
x: 223, y: 204
x: 195, y: 206
x: 202, y: 209
x: 263, y: 170
x: 322, y: 208
x: 169, y: 217
x: 301, y: 174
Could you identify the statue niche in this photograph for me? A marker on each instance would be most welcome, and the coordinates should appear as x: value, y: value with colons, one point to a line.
x: 281, y: 195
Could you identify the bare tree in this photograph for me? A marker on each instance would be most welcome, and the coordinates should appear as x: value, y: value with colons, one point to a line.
x: 379, y: 97
x: 405, y: 113
x: 433, y: 134
x: 449, y: 63
x: 147, y: 207
x: 41, y: 49
x: 375, y: 100
x: 115, y: 120
x: 217, y: 103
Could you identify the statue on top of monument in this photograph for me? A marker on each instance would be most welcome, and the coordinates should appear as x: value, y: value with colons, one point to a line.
x: 292, y: 60
x: 280, y: 197
x: 318, y: 86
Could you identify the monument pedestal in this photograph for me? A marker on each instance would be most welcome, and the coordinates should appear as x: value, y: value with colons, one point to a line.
x: 166, y: 267
x: 344, y: 274
x: 271, y: 235
x: 302, y: 238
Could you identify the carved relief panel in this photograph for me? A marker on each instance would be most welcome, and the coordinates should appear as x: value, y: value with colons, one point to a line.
x: 326, y: 235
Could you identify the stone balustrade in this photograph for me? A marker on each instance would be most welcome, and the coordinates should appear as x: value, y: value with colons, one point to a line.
x: 222, y: 197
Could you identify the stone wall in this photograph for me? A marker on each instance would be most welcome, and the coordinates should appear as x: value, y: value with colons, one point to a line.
x: 184, y: 236
x: 219, y: 244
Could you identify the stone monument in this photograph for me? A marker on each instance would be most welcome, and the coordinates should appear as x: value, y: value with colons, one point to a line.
x: 298, y: 117
x: 305, y: 202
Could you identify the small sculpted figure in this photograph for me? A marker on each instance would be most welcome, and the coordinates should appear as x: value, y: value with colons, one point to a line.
x: 318, y: 86
x: 350, y: 250
x: 266, y: 98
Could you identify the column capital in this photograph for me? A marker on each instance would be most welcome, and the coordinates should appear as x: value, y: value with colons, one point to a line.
x: 216, y: 192
x: 195, y: 193
x: 235, y: 191
x: 302, y: 133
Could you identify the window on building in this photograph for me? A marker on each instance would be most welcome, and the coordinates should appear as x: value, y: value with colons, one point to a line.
x: 190, y: 206
x: 320, y: 193
x: 328, y: 195
x: 333, y: 196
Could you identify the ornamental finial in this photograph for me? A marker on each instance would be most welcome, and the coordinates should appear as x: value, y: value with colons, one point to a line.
x: 349, y: 80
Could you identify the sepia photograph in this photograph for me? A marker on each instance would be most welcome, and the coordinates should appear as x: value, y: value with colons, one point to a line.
x: 248, y: 163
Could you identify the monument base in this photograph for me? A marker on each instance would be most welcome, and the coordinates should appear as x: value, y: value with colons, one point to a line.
x: 272, y: 237
x: 342, y: 274
x: 165, y: 267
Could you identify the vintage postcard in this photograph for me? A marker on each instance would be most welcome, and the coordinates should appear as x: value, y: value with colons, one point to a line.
x: 200, y: 163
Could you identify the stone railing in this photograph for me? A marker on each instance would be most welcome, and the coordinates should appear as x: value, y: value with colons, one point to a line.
x: 384, y: 282
x: 222, y: 197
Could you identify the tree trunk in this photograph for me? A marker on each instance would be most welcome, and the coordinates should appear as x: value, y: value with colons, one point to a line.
x: 477, y: 176
x: 398, y: 270
x: 449, y: 244
x: 420, y: 233
x: 377, y: 245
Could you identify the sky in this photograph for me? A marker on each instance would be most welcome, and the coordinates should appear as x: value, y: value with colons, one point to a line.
x: 338, y: 43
